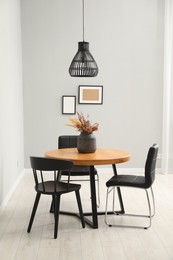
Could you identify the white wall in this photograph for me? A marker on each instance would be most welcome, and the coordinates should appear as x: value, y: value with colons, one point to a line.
x: 167, y: 133
x: 126, y: 40
x: 11, y: 97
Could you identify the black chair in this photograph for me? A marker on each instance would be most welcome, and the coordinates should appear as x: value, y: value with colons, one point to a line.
x: 70, y: 141
x: 52, y: 186
x: 135, y: 181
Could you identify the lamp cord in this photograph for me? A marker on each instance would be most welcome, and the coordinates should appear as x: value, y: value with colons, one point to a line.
x: 83, y: 18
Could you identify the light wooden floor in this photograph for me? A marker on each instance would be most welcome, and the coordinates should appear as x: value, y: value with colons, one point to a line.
x: 85, y: 244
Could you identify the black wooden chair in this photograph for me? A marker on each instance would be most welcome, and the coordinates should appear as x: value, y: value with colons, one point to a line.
x: 135, y: 181
x: 70, y: 141
x: 52, y: 187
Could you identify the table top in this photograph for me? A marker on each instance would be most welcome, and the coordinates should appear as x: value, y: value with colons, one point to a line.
x: 102, y: 156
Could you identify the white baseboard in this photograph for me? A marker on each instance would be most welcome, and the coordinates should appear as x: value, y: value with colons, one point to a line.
x: 5, y: 201
x: 28, y: 171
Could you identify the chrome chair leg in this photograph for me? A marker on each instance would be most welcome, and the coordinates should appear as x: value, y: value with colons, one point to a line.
x: 106, y: 207
x: 109, y: 190
x: 113, y: 200
x: 153, y: 199
x: 98, y: 192
x: 149, y: 207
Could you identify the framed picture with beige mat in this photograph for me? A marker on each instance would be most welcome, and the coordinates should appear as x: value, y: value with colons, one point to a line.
x: 90, y: 94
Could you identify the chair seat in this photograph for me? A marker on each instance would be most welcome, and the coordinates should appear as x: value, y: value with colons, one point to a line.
x: 127, y: 181
x: 61, y: 187
x: 78, y: 171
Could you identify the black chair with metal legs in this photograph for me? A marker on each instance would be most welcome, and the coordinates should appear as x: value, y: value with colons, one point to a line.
x: 135, y: 181
x: 70, y: 141
x: 51, y: 168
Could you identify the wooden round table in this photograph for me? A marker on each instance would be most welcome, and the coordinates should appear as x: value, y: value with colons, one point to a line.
x: 102, y: 156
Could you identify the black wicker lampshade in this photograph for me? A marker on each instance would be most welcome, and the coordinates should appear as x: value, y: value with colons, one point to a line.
x: 83, y: 64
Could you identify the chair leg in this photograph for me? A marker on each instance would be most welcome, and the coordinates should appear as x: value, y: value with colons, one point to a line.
x: 56, y: 202
x: 113, y: 200
x: 130, y: 215
x: 52, y: 206
x: 98, y: 192
x: 80, y: 208
x: 149, y: 207
x: 152, y: 194
x: 37, y: 198
x: 106, y: 207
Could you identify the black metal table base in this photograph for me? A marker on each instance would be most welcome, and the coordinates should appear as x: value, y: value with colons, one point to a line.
x: 94, y: 214
x: 87, y: 221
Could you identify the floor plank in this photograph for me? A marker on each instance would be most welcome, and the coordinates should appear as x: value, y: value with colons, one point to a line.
x: 76, y: 243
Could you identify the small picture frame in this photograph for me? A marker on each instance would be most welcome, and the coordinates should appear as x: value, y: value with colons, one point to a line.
x: 88, y: 94
x: 69, y: 105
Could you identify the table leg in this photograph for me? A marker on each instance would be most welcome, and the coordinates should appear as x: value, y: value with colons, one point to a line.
x: 93, y: 198
x: 94, y: 213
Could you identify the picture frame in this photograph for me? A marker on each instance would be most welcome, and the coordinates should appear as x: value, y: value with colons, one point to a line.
x: 90, y: 94
x: 69, y: 105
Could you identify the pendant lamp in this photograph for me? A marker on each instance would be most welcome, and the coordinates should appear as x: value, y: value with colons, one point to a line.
x: 83, y: 63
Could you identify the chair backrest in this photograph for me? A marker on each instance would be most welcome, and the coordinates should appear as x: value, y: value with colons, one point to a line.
x: 150, y: 165
x: 42, y: 164
x: 67, y: 141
